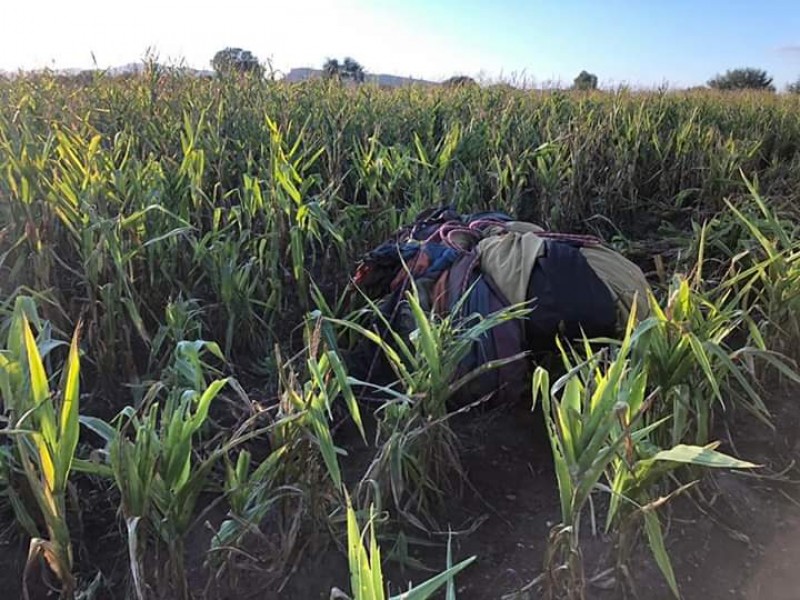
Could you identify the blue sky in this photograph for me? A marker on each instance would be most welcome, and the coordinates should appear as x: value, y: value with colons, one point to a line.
x: 643, y: 43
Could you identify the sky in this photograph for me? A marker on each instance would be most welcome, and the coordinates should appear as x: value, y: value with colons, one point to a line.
x: 643, y: 43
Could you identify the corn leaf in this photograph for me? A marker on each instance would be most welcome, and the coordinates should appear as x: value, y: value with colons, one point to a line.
x: 656, y: 540
x: 704, y: 457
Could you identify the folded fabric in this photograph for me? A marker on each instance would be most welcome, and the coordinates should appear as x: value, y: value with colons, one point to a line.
x: 509, y: 260
x: 624, y: 279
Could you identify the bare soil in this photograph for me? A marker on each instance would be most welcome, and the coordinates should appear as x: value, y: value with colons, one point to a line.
x: 741, y: 541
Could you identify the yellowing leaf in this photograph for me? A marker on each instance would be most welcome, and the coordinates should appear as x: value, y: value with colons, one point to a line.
x: 703, y: 456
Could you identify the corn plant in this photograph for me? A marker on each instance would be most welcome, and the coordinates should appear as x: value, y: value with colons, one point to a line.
x: 181, y: 322
x: 426, y: 362
x: 582, y: 410
x: 224, y: 262
x: 301, y: 478
x: 689, y: 351
x: 297, y: 220
x: 306, y: 404
x: 152, y: 454
x: 765, y: 275
x: 600, y: 430
x: 637, y: 481
x: 45, y: 429
x: 251, y: 494
x: 417, y: 450
x: 110, y: 187
x: 119, y: 195
x: 366, y: 575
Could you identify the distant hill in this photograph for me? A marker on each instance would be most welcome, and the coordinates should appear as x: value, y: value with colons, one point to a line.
x: 294, y: 75
x: 128, y: 69
x: 138, y: 67
x: 306, y: 73
x: 302, y: 74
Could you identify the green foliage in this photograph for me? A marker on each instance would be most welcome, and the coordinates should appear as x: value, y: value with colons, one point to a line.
x: 765, y: 274
x: 687, y: 350
x: 348, y: 70
x: 152, y: 458
x: 602, y: 429
x: 251, y: 494
x: 231, y: 196
x: 164, y: 209
x: 583, y: 412
x: 306, y: 403
x: 457, y: 81
x: 236, y: 60
x: 45, y: 429
x: 743, y: 79
x: 585, y: 81
x: 366, y: 576
x: 417, y: 453
x: 632, y: 423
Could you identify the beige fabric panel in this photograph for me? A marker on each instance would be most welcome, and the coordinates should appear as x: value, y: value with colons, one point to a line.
x: 523, y: 227
x: 623, y: 278
x: 513, y: 227
x: 508, y: 259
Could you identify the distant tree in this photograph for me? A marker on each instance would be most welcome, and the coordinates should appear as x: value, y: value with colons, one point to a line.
x: 743, y: 79
x: 332, y: 69
x: 236, y: 60
x: 585, y: 81
x: 349, y: 69
x: 353, y: 70
x: 794, y: 88
x: 460, y: 81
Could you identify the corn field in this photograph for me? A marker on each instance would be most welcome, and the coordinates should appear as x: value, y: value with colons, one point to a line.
x: 194, y: 239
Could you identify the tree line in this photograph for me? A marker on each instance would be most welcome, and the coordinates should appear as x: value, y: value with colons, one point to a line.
x: 237, y: 60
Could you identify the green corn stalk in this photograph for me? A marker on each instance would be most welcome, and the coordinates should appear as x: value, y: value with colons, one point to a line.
x: 426, y: 362
x: 581, y: 411
x: 601, y: 427
x: 366, y: 575
x: 78, y: 161
x: 417, y: 450
x: 637, y: 476
x: 307, y: 406
x: 767, y: 282
x: 152, y: 456
x: 250, y: 496
x: 298, y: 220
x: 687, y: 350
x: 45, y: 429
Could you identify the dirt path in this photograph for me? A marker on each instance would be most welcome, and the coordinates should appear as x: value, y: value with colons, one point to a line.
x: 776, y: 576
